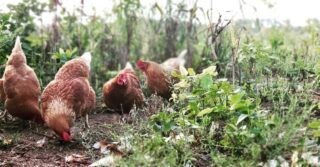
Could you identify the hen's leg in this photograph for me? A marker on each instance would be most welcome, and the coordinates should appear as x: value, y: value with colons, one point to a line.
x: 86, y: 123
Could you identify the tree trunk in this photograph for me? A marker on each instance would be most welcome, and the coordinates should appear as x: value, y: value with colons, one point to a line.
x: 171, y: 38
x: 190, y: 39
x: 171, y: 33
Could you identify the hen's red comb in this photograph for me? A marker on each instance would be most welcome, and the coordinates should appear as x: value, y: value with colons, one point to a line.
x: 140, y: 64
x: 66, y: 136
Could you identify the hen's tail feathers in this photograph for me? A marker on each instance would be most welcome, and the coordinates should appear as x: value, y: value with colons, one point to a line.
x: 182, y: 54
x: 128, y: 66
x: 87, y: 58
x: 17, y: 45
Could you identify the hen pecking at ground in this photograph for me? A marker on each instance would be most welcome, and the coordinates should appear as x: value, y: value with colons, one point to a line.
x: 68, y: 96
x: 158, y: 76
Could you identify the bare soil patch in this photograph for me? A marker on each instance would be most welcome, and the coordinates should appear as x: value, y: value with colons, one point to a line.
x: 18, y: 145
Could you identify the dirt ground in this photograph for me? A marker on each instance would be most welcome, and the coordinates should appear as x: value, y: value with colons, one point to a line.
x: 19, y: 139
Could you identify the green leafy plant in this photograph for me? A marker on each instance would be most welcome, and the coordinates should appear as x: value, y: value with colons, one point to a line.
x: 315, y: 126
x: 64, y: 55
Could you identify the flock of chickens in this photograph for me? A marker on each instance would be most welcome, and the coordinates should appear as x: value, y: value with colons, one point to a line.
x: 70, y: 96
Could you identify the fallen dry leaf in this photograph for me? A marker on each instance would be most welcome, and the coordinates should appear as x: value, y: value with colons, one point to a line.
x: 311, y: 159
x: 294, y: 158
x: 102, y: 145
x: 114, y: 148
x: 96, y: 145
x: 41, y: 142
x: 7, y: 141
x: 77, y: 158
x: 106, y: 147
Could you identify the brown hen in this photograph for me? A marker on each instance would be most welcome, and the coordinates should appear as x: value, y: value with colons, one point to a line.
x: 21, y: 88
x: 158, y: 76
x: 68, y: 96
x: 2, y: 94
x: 123, y: 91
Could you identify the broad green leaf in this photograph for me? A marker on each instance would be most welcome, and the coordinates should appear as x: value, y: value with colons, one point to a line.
x: 232, y: 127
x: 74, y: 50
x: 175, y: 74
x: 156, y: 127
x: 243, y: 105
x: 35, y: 40
x: 204, y: 112
x: 183, y: 71
x: 314, y: 124
x: 241, y: 118
x: 5, y: 17
x: 206, y: 81
x: 193, y: 106
x: 61, y: 51
x: 68, y: 53
x: 55, y: 56
x: 226, y: 87
x: 174, y: 96
x: 183, y: 84
x: 167, y: 126
x: 210, y: 70
x: 236, y: 98
x: 191, y: 72
x: 316, y: 133
x: 182, y: 97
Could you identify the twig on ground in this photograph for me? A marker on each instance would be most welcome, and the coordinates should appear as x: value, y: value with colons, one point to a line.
x: 315, y: 93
